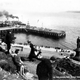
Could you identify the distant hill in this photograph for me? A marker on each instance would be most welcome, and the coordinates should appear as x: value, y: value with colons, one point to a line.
x: 74, y: 11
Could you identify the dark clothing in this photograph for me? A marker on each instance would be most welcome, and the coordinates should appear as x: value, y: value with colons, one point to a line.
x: 32, y: 53
x: 8, y: 47
x: 2, y: 50
x: 16, y: 61
x: 78, y: 42
x: 8, y: 40
x: 44, y: 70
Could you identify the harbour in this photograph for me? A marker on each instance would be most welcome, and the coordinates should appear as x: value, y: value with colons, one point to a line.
x: 40, y: 40
x: 48, y: 45
x: 70, y: 25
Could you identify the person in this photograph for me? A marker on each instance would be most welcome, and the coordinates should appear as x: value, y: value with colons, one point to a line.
x: 77, y: 50
x: 77, y: 56
x: 8, y: 40
x: 16, y: 60
x: 32, y: 52
x: 78, y: 42
x: 44, y: 69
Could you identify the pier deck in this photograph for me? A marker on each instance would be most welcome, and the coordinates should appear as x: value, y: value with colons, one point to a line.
x: 52, y: 33
x: 56, y: 34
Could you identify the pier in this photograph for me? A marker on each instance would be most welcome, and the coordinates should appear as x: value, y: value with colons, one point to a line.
x: 14, y: 29
x: 55, y: 34
x: 51, y: 33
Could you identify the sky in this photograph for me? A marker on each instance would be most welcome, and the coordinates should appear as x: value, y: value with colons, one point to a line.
x: 24, y: 7
x: 16, y: 6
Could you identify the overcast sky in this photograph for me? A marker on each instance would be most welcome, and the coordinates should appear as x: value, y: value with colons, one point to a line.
x: 16, y: 6
x: 25, y: 9
x: 31, y: 10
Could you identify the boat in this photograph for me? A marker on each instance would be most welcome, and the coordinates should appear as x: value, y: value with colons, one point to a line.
x: 51, y: 33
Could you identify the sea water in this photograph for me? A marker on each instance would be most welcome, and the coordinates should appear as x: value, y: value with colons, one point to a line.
x: 67, y: 21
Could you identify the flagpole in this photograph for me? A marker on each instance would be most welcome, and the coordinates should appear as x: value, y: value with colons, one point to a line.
x: 42, y: 24
x: 37, y: 22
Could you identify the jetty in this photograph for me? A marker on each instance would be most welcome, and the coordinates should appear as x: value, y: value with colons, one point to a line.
x: 51, y: 33
x: 43, y: 32
x: 56, y: 34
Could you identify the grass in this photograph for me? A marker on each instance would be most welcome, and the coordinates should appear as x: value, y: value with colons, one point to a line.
x: 69, y: 66
x: 6, y: 62
x: 7, y: 67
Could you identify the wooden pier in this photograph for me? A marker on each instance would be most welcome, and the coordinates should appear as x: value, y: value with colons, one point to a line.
x: 55, y: 34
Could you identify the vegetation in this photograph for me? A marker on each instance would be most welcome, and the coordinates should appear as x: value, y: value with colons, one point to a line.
x: 69, y: 66
x: 6, y: 62
x: 8, y: 67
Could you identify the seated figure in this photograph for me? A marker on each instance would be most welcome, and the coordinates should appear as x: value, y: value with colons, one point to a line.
x: 16, y: 60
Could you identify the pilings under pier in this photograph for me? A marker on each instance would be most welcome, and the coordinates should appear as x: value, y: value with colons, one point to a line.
x: 46, y: 33
x: 14, y: 30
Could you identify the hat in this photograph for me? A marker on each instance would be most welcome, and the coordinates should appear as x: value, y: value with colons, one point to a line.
x: 29, y: 41
x: 53, y: 58
x: 16, y: 51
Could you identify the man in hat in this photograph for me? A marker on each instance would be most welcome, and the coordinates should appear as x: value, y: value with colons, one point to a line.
x: 45, y: 69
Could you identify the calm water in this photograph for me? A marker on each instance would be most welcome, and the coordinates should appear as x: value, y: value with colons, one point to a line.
x: 69, y: 22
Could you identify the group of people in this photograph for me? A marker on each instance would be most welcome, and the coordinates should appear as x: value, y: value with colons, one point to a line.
x: 44, y: 69
x: 6, y: 48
